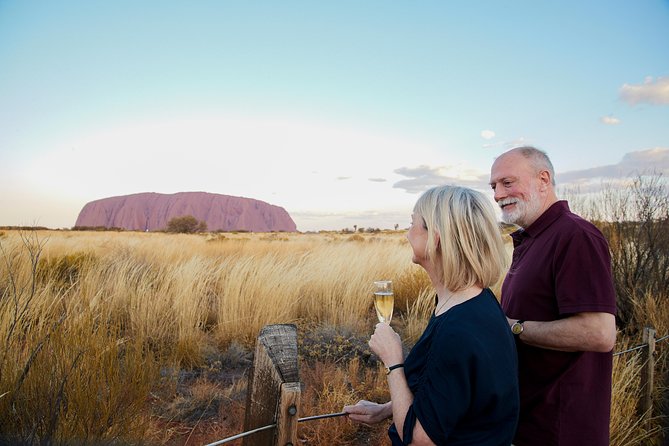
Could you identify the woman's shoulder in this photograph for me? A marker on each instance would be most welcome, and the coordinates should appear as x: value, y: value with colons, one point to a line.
x: 484, y: 302
x: 479, y: 314
x: 453, y: 328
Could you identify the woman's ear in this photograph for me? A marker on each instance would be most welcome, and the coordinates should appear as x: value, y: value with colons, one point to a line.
x: 437, y: 241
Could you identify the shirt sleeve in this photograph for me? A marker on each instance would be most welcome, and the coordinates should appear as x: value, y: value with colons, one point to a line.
x: 583, y: 280
x: 445, y: 390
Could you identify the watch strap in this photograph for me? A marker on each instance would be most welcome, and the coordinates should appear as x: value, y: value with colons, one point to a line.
x: 393, y: 367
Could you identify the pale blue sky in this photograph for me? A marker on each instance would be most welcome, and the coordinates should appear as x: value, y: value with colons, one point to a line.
x: 340, y: 112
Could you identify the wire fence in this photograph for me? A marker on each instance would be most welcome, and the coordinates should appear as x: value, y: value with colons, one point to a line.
x: 641, y: 346
x: 339, y: 414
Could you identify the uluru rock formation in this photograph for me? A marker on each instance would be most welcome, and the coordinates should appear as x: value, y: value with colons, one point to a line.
x: 152, y: 211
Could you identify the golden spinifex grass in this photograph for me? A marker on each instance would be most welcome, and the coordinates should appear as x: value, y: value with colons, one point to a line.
x: 627, y: 427
x: 65, y: 372
x: 99, y: 331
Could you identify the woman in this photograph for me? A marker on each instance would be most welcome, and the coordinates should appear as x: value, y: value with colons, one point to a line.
x: 458, y: 385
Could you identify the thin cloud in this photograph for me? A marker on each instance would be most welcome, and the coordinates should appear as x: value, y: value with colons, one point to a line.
x: 522, y: 141
x: 423, y: 177
x: 343, y: 178
x: 377, y: 180
x: 652, y: 91
x: 609, y: 120
x: 487, y: 134
x: 633, y: 163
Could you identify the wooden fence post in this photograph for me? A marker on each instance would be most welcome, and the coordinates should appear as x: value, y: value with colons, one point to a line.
x: 286, y: 415
x: 273, y: 392
x: 648, y: 375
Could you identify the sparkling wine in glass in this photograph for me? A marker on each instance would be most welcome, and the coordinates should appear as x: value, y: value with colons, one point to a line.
x: 384, y: 300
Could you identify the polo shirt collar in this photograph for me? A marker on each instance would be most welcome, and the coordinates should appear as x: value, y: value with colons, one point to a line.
x: 543, y: 222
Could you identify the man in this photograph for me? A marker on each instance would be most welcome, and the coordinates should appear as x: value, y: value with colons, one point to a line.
x: 559, y: 300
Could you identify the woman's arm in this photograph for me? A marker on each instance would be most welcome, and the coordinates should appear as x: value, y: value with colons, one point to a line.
x: 387, y: 345
x: 402, y: 399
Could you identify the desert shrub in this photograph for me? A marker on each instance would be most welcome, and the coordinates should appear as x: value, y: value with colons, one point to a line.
x: 324, y: 343
x: 328, y: 386
x: 97, y: 228
x: 186, y: 224
x: 635, y: 221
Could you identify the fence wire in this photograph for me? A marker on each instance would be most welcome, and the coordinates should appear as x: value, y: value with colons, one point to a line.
x: 640, y: 346
x: 269, y: 426
x: 339, y: 414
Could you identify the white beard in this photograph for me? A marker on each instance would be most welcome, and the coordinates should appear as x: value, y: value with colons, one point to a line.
x: 523, y: 209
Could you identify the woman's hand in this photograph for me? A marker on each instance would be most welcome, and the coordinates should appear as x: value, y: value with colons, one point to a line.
x: 367, y: 412
x: 386, y: 344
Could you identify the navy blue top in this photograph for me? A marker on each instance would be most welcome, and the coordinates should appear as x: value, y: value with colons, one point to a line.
x: 463, y: 375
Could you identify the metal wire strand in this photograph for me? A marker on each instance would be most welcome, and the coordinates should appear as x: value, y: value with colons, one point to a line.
x: 269, y: 426
x: 638, y: 347
x: 243, y: 434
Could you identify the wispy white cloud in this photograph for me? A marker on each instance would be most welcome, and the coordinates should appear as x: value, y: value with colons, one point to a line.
x: 377, y: 180
x: 424, y: 177
x: 521, y: 141
x: 633, y: 163
x: 652, y: 91
x: 609, y: 120
x: 421, y: 178
x: 487, y: 134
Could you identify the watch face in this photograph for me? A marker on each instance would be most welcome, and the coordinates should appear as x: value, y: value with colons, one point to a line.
x: 517, y: 328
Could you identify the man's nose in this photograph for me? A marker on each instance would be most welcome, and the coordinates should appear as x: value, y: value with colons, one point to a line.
x: 498, y: 193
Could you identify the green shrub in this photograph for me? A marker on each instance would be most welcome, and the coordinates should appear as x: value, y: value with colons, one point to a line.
x: 186, y: 224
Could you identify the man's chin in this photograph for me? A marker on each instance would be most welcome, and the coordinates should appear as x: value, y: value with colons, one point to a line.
x: 510, y: 219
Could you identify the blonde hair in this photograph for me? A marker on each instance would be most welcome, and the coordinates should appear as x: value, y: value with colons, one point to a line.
x: 470, y: 249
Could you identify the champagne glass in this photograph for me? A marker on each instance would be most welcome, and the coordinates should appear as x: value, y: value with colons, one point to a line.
x: 384, y: 300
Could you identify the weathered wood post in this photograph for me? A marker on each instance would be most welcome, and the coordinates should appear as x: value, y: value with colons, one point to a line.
x: 647, y: 375
x: 273, y: 393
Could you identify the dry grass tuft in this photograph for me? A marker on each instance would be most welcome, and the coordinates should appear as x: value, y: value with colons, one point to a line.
x: 329, y: 387
x: 627, y: 428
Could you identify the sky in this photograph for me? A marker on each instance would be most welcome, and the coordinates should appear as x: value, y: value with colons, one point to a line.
x: 340, y: 112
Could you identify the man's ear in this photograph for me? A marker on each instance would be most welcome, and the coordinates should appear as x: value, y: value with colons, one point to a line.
x: 544, y: 179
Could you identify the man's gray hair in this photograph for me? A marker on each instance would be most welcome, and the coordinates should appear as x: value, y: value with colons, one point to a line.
x: 539, y: 160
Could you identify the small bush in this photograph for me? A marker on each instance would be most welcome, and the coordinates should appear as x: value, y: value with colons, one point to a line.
x: 186, y: 224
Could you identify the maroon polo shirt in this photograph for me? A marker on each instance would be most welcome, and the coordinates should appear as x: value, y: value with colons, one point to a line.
x: 561, y: 266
